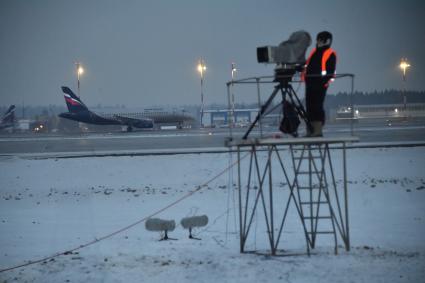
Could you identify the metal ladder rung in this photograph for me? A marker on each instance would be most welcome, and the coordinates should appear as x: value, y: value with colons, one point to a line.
x: 321, y: 232
x: 317, y: 217
x: 304, y: 173
x: 313, y: 202
x: 308, y: 188
x: 308, y: 157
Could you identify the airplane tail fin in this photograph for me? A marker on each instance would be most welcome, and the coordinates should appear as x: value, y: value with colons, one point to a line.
x: 9, y: 116
x: 73, y: 102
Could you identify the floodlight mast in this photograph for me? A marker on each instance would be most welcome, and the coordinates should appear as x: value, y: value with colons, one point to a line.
x: 404, y: 65
x: 232, y: 113
x: 201, y: 69
x: 80, y: 71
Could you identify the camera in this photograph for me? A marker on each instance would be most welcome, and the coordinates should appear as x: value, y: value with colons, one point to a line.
x: 289, y: 56
x: 289, y: 52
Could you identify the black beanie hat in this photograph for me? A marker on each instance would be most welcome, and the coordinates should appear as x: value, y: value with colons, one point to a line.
x: 324, y: 36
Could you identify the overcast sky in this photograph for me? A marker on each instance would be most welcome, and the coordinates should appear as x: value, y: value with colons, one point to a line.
x: 144, y: 53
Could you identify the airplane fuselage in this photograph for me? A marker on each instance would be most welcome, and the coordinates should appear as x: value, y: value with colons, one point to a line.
x: 138, y: 120
x: 89, y: 118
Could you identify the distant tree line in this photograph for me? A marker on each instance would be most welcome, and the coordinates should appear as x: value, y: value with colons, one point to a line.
x: 334, y: 101
x: 391, y: 96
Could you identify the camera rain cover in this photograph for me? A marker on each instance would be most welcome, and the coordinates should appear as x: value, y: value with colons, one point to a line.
x: 292, y: 51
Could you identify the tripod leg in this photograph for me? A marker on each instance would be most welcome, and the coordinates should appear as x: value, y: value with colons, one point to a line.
x: 263, y: 109
x: 283, y: 94
x: 300, y: 108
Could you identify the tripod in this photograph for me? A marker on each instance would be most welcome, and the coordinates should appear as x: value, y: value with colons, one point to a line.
x: 286, y: 89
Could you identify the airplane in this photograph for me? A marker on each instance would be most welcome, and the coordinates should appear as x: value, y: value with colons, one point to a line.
x: 8, y: 119
x: 79, y: 112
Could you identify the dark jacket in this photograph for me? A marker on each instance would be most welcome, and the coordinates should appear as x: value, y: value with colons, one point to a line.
x: 315, y: 66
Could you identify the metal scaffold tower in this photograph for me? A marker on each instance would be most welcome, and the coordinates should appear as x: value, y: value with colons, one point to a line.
x: 290, y: 183
x: 298, y: 172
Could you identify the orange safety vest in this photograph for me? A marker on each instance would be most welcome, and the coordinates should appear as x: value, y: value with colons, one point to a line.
x: 328, y: 52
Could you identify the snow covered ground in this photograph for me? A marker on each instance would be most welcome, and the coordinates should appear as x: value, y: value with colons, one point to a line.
x: 54, y: 205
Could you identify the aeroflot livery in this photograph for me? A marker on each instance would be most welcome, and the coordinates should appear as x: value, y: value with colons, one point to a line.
x: 79, y: 112
x: 8, y: 119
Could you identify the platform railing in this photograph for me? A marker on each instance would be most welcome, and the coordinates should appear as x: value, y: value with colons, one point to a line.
x: 267, y: 80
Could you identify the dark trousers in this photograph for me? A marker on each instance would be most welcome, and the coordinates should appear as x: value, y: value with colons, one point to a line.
x: 314, y: 98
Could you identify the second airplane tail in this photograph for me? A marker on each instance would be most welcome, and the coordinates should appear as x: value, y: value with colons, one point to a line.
x: 73, y: 102
x: 9, y: 116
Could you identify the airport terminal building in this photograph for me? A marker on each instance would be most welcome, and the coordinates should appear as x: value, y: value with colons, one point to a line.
x: 242, y: 117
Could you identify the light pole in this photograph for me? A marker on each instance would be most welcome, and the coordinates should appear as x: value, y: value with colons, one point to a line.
x: 201, y: 69
x: 80, y: 71
x: 404, y: 65
x: 233, y: 118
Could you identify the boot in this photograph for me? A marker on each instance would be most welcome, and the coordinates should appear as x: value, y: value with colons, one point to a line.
x: 309, y: 131
x: 317, y: 129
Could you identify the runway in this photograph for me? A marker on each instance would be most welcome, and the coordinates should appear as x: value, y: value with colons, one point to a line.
x: 367, y: 131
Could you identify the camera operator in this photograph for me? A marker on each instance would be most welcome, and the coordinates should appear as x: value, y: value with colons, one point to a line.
x: 319, y: 71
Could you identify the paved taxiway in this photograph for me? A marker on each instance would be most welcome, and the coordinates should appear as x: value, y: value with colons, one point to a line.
x: 367, y: 131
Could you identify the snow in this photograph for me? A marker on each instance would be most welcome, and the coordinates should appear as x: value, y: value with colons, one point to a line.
x: 54, y: 205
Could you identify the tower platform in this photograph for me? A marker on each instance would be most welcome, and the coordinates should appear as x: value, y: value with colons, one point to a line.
x: 305, y: 174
